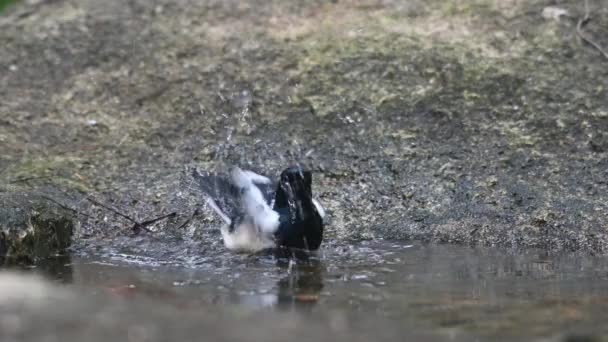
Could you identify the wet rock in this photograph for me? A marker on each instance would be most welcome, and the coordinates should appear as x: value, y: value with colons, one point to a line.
x: 599, y: 142
x: 32, y: 228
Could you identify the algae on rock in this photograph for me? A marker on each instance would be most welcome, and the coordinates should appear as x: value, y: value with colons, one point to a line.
x: 31, y: 229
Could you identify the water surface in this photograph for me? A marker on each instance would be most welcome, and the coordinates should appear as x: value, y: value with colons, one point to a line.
x: 378, y: 290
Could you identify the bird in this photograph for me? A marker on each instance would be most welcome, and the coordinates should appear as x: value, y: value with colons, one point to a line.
x: 261, y: 214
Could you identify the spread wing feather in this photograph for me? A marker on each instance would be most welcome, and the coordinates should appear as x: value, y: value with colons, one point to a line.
x: 225, y: 197
x: 222, y: 195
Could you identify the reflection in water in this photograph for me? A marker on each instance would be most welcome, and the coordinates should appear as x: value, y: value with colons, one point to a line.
x: 484, y: 291
x: 303, y: 284
x: 58, y: 268
x: 299, y: 288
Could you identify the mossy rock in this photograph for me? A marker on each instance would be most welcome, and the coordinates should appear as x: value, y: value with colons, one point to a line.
x: 32, y: 229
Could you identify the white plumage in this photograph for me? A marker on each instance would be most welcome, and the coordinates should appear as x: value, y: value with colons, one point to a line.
x: 319, y: 207
x: 255, y: 231
x: 253, y: 202
x: 246, y: 237
x: 251, y: 223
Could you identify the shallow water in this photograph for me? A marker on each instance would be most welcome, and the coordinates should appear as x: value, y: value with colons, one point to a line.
x: 378, y: 290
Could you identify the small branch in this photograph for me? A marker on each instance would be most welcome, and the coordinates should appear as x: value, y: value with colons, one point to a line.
x: 579, y: 30
x: 90, y: 199
x: 149, y: 222
x: 137, y: 226
x: 187, y: 222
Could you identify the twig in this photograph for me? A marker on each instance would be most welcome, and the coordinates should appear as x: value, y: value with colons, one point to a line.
x: 137, y: 226
x: 90, y: 199
x: 187, y: 222
x: 154, y: 220
x: 579, y: 30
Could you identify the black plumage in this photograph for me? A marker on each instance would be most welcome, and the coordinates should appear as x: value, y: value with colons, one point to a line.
x: 300, y: 217
x: 301, y: 225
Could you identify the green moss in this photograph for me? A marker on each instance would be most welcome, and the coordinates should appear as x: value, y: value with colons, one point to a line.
x: 337, y: 72
x: 57, y: 170
x: 465, y: 8
x: 5, y: 3
x: 47, y: 232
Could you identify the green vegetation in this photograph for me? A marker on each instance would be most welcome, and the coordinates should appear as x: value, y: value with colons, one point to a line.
x: 5, y: 3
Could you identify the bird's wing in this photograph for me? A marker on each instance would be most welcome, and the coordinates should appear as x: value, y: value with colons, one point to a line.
x: 243, y: 178
x: 220, y: 194
x: 223, y: 194
x: 319, y: 208
x: 253, y: 200
x: 267, y: 190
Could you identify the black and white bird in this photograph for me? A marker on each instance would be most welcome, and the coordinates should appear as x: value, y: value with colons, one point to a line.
x: 260, y: 214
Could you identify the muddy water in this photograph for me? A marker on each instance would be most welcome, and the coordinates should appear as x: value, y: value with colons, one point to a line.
x: 378, y: 290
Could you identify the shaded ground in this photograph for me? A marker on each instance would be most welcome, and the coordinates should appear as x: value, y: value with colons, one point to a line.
x: 468, y: 121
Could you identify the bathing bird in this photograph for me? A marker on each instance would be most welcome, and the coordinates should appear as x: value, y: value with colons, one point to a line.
x: 261, y: 214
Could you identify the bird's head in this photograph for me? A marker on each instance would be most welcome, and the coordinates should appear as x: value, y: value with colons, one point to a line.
x: 293, y: 198
x: 295, y: 188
